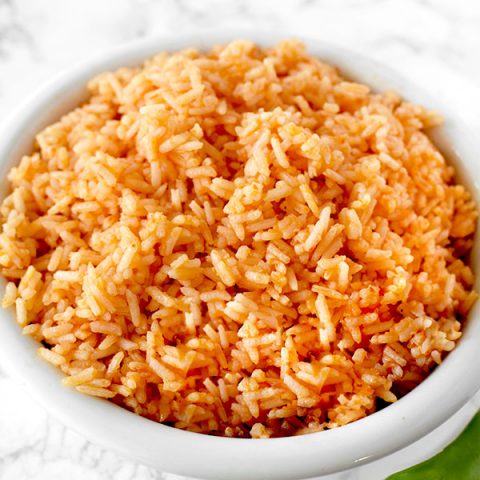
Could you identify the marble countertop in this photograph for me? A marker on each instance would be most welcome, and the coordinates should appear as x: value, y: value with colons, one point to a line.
x: 434, y: 42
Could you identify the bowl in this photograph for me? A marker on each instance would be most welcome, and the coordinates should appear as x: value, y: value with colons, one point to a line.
x: 172, y: 450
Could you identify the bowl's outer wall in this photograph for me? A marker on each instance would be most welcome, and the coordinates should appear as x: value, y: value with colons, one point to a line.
x: 430, y: 404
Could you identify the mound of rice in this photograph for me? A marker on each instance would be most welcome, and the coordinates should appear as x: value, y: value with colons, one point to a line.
x: 239, y: 243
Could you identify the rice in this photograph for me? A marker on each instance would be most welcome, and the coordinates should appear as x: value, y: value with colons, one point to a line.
x: 239, y: 243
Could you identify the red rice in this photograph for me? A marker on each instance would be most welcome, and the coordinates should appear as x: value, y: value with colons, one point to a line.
x: 239, y: 243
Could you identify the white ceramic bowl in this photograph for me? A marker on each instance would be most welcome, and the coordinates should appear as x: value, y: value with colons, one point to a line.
x: 447, y: 389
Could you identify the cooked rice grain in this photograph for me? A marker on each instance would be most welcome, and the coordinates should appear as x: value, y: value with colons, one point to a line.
x: 239, y: 243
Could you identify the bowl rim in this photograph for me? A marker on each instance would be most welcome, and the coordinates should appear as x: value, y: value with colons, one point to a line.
x: 437, y: 398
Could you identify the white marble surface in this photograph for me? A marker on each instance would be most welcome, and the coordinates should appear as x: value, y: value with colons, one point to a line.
x: 434, y: 42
